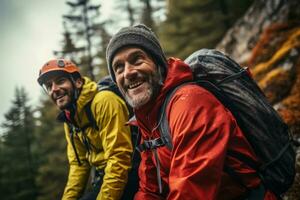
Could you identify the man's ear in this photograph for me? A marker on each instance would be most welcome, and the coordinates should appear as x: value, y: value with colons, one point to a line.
x: 78, y: 83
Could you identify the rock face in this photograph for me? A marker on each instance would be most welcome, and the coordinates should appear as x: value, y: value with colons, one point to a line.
x: 267, y: 39
x: 241, y: 39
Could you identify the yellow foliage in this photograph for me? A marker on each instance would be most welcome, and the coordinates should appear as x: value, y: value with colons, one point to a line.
x: 288, y: 116
x: 292, y: 42
x: 278, y: 75
x: 274, y: 34
x: 290, y: 111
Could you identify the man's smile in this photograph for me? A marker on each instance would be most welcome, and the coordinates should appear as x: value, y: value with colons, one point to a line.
x: 59, y: 96
x: 135, y: 85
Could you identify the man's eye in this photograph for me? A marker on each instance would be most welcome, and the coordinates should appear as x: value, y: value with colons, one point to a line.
x: 60, y: 81
x: 118, y: 68
x: 137, y: 59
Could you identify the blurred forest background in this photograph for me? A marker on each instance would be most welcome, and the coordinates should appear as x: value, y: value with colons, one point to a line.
x: 261, y: 34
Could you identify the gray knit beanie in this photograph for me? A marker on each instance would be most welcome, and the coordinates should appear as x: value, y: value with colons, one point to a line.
x: 139, y: 36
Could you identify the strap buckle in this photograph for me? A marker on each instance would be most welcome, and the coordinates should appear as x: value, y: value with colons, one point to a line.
x: 151, y: 144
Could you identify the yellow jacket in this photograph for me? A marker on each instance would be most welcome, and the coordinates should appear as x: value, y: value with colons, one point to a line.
x: 111, y: 146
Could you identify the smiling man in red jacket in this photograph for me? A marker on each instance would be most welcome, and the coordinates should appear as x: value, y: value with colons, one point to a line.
x: 202, y: 129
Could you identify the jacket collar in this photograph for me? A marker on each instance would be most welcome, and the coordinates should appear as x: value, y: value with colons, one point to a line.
x: 87, y: 93
x: 178, y: 72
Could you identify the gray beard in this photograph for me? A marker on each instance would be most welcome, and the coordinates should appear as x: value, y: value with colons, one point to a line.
x: 156, y: 82
x: 138, y: 102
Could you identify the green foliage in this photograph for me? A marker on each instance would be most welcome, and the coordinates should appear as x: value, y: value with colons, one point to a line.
x: 152, y: 12
x: 33, y: 162
x: 148, y: 12
x: 105, y: 37
x: 146, y: 17
x: 85, y: 38
x: 18, y: 160
x: 51, y: 142
x: 195, y: 24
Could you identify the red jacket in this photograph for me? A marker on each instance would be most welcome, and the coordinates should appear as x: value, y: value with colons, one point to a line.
x: 202, y: 131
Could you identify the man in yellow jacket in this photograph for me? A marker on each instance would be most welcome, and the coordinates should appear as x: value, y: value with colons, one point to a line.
x: 106, y: 144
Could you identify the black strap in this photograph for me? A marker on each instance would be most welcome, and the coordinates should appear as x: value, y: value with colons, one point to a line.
x: 151, y: 144
x: 231, y: 172
x: 97, y: 177
x: 135, y: 139
x: 242, y: 72
x: 163, y: 123
x: 72, y: 132
x: 90, y: 116
x: 262, y: 168
x: 257, y: 193
x: 73, y: 129
x: 86, y: 142
x: 251, y: 163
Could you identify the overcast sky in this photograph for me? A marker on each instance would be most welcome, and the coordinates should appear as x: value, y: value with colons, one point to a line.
x: 29, y: 32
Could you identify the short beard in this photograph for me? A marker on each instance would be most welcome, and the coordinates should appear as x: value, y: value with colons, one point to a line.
x: 70, y: 104
x: 137, y: 103
x: 155, y: 82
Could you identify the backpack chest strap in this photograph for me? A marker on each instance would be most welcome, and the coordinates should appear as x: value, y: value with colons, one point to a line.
x: 151, y: 144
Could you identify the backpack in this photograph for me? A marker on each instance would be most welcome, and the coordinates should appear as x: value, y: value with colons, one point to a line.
x: 268, y: 135
x: 131, y: 188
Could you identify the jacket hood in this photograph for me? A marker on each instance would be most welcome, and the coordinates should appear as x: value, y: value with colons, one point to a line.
x: 87, y: 93
x: 178, y: 72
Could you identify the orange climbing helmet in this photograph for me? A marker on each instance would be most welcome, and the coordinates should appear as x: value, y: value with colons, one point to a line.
x: 57, y: 66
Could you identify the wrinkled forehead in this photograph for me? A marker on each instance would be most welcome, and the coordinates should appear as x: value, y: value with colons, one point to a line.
x: 128, y: 51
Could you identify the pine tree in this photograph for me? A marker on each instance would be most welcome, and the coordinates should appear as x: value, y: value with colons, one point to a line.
x: 69, y: 50
x: 195, y: 24
x: 146, y: 17
x: 129, y: 6
x: 152, y: 13
x: 148, y: 12
x: 19, y: 161
x: 53, y: 166
x: 84, y: 37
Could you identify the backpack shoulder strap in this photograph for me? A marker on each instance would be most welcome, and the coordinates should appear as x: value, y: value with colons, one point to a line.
x: 73, y: 130
x: 163, y: 123
x: 90, y: 116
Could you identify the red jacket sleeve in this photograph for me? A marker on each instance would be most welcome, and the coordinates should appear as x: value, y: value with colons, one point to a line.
x: 200, y: 127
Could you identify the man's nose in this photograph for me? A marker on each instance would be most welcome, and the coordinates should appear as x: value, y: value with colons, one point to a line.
x: 129, y: 71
